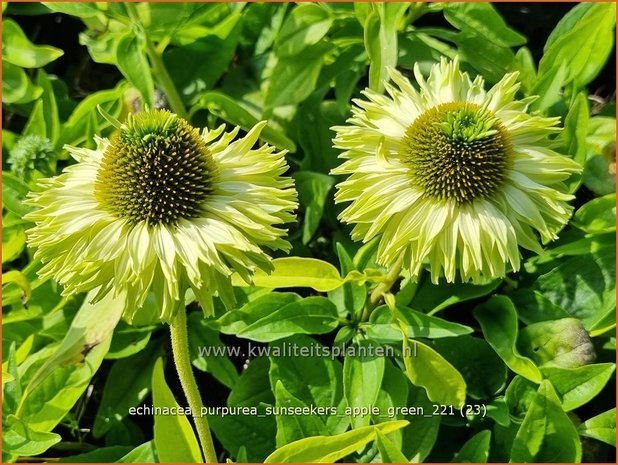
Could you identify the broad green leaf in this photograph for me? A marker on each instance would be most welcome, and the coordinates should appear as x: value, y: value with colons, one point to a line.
x: 577, y: 386
x: 216, y: 363
x: 380, y: 36
x: 573, y: 137
x: 601, y: 140
x: 233, y: 112
x: 46, y: 401
x: 257, y: 433
x: 483, y: 20
x: 489, y: 59
x: 145, y: 453
x: 315, y: 380
x: 498, y: 320
x: 431, y: 298
x: 548, y: 88
x: 82, y: 10
x: 173, y: 436
x: 312, y: 315
x: 253, y: 386
x: 17, y: 86
x: 533, y: 307
x: 382, y: 328
x: 93, y: 325
x: 584, y: 47
x: 329, y: 449
x: 296, y: 272
x: 20, y: 439
x: 475, y: 449
x: 100, y: 455
x: 482, y: 369
x: 419, y: 439
x: 584, y: 286
x: 597, y: 216
x: 128, y: 340
x: 235, y: 321
x: 18, y: 278
x: 389, y: 453
x: 362, y: 378
x: 351, y: 297
x: 518, y: 397
x: 547, y: 433
x: 563, y: 343
x: 294, y: 78
x: 121, y: 392
x: 196, y: 67
x: 427, y: 368
x: 305, y: 26
x: 525, y: 65
x: 602, y: 427
x: 19, y: 51
x: 313, y: 189
x: 292, y: 427
x: 133, y: 64
x: 50, y: 107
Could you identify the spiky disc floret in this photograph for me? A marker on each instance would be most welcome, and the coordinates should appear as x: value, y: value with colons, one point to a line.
x: 157, y: 169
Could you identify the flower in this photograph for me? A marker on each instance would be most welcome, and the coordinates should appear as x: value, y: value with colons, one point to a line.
x: 452, y: 177
x: 162, y: 207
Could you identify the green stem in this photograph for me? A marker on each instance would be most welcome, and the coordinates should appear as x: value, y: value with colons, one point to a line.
x: 158, y: 68
x: 383, y: 287
x: 182, y: 360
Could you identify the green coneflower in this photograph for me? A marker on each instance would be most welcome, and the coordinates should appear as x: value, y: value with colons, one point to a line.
x: 452, y: 177
x: 162, y: 207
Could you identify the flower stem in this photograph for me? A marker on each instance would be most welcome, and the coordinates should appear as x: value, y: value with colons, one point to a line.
x: 158, y: 67
x: 382, y: 288
x: 182, y: 360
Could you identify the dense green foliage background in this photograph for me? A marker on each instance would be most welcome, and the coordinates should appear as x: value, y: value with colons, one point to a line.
x: 530, y: 358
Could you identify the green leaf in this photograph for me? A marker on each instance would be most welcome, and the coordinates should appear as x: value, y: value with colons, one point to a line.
x: 17, y: 277
x: 294, y: 78
x: 431, y: 298
x: 483, y: 20
x: 20, y: 439
x: 547, y: 433
x: 253, y: 386
x: 533, y: 307
x: 518, y: 397
x: 573, y: 137
x: 82, y: 10
x: 350, y: 297
x: 121, y: 392
x: 427, y: 368
x: 296, y: 272
x: 197, y: 66
x: 382, y: 328
x: 145, y: 453
x: 173, y: 436
x: 128, y: 340
x: 133, y: 64
x: 584, y: 286
x: 257, y: 433
x: 362, y: 378
x: 305, y: 26
x: 314, y: 380
x: 100, y: 455
x: 491, y: 60
x: 217, y: 364
x: 233, y: 112
x: 482, y: 369
x: 292, y: 427
x: 419, y: 439
x: 475, y: 449
x: 328, y: 449
x: 313, y: 189
x: 380, y: 36
x: 577, y: 386
x: 597, y: 216
x: 563, y: 343
x: 583, y: 45
x: 19, y: 51
x: 602, y: 427
x: 389, y: 453
x: 312, y: 315
x: 93, y: 325
x: 498, y: 320
x: 548, y: 88
x: 16, y: 85
x: 14, y: 192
